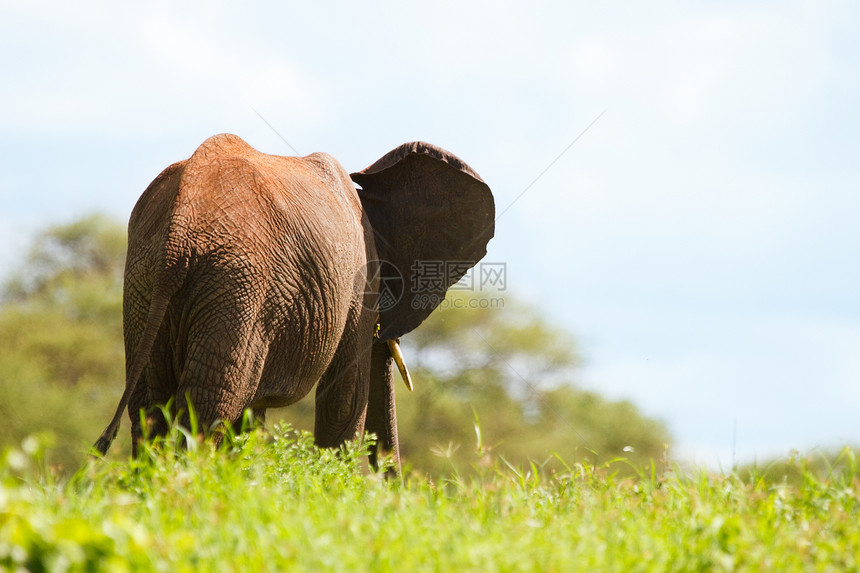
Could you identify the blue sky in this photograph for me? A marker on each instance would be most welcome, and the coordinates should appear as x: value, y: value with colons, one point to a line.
x: 699, y: 240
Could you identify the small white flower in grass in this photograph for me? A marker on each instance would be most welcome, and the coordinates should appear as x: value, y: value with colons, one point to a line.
x: 628, y: 449
x: 16, y: 460
x: 31, y: 445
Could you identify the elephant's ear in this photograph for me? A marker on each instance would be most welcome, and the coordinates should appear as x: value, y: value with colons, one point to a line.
x: 432, y: 217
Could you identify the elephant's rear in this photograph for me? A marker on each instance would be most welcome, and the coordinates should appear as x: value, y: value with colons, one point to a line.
x: 241, y: 268
x: 269, y: 264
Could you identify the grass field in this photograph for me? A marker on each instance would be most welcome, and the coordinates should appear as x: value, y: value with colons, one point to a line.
x: 273, y: 502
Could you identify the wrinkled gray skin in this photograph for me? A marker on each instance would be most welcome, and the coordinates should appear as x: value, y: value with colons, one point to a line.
x: 252, y: 277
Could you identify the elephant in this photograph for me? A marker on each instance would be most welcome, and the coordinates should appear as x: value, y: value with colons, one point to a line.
x: 250, y: 278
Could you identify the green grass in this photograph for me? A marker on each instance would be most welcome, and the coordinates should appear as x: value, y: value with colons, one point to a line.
x: 274, y: 502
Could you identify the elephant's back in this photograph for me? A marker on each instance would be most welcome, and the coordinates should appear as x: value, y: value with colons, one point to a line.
x: 230, y: 204
x: 231, y: 192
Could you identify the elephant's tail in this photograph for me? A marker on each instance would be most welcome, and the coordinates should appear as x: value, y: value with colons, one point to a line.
x: 157, y: 309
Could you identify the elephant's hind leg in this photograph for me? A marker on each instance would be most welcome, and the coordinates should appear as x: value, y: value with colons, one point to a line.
x: 151, y: 395
x: 221, y: 374
x: 341, y: 395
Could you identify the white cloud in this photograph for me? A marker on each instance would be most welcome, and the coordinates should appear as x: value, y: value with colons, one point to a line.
x: 725, y: 70
x: 118, y: 70
x: 694, y: 169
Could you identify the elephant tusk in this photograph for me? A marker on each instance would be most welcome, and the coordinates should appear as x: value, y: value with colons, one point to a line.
x: 394, y: 347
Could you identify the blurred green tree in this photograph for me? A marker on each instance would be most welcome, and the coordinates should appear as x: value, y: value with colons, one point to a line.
x: 497, y: 361
x: 61, y: 351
